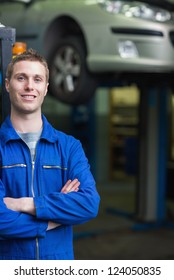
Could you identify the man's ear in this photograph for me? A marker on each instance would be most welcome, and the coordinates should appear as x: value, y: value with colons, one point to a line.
x: 7, y: 84
x: 46, y: 90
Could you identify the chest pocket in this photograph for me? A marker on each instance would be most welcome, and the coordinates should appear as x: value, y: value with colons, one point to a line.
x: 14, y: 178
x: 54, y: 175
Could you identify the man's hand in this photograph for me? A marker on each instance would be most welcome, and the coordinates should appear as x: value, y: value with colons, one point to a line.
x: 71, y: 186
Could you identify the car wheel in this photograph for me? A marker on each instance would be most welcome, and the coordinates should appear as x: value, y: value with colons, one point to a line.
x: 70, y: 80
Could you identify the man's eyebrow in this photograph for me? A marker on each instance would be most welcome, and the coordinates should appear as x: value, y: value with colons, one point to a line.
x: 39, y: 75
x: 20, y: 73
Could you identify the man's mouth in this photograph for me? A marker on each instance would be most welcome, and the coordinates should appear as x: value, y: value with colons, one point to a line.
x: 28, y: 97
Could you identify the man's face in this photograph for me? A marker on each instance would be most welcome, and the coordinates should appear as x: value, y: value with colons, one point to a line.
x: 27, y: 87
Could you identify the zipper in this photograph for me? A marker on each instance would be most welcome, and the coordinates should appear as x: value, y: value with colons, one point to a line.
x: 54, y: 166
x: 14, y: 165
x: 32, y: 178
x: 37, y: 248
x: 32, y: 191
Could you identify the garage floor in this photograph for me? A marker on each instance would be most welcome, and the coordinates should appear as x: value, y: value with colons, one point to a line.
x: 117, y: 235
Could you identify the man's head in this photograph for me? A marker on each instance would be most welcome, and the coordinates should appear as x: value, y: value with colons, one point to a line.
x: 29, y: 55
x: 27, y: 82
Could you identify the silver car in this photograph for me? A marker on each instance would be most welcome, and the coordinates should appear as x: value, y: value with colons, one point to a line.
x: 90, y: 42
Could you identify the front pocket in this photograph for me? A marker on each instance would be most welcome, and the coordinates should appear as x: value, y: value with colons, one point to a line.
x: 15, y: 179
x: 52, y: 177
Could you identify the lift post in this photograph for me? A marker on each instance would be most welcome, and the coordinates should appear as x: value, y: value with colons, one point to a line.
x: 7, y: 39
x: 153, y: 149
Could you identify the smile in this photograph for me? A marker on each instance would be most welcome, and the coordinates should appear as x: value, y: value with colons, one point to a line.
x: 29, y: 97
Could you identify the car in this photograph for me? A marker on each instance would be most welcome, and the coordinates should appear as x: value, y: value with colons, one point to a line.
x: 90, y: 42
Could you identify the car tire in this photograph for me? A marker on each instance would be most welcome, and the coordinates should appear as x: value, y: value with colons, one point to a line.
x: 70, y: 80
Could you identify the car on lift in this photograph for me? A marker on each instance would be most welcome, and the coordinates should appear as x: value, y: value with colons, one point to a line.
x: 88, y: 41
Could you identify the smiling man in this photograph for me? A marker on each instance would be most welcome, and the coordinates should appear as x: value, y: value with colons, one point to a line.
x: 27, y: 84
x: 46, y: 185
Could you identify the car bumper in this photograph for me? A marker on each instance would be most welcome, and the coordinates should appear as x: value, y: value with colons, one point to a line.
x: 154, y: 44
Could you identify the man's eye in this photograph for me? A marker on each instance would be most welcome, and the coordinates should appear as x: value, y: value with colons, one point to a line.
x: 38, y: 80
x: 20, y: 78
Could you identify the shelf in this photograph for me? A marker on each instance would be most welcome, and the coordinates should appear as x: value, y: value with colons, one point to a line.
x: 123, y: 123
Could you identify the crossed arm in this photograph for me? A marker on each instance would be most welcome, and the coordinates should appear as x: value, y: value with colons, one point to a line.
x: 26, y: 204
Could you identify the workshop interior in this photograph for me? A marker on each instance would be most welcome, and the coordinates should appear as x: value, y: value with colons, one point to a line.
x: 112, y: 87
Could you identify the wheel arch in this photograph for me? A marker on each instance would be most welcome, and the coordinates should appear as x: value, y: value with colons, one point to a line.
x: 63, y: 26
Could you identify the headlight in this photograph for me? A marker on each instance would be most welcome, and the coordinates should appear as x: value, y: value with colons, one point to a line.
x: 136, y: 9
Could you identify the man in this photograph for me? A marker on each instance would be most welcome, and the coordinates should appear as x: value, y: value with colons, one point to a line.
x: 46, y: 185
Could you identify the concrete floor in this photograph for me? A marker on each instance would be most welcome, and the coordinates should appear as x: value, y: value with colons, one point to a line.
x: 119, y: 236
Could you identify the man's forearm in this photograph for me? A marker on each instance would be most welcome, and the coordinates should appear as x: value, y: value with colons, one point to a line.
x: 27, y: 205
x: 22, y: 204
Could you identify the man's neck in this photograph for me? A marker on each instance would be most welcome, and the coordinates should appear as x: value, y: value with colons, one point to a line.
x: 26, y: 123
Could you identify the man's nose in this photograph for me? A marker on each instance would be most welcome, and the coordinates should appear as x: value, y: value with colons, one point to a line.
x: 29, y: 85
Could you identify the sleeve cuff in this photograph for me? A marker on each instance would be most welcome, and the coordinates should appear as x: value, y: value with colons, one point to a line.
x: 40, y: 207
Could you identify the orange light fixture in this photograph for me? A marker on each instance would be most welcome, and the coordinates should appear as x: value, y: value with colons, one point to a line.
x: 18, y: 48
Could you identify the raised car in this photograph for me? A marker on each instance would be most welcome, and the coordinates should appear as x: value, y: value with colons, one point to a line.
x: 88, y: 41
